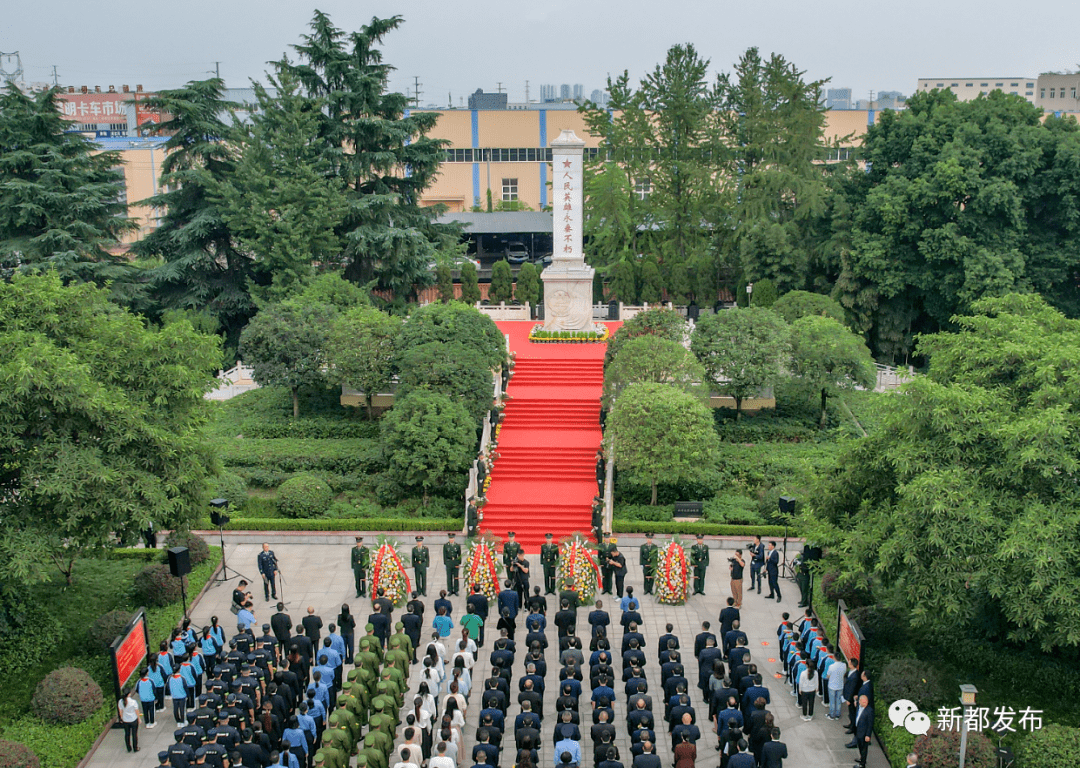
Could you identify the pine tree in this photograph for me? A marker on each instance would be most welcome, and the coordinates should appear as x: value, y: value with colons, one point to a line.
x: 527, y: 289
x: 202, y: 265
x: 60, y: 199
x: 444, y: 279
x: 502, y: 283
x: 470, y: 284
x: 383, y: 157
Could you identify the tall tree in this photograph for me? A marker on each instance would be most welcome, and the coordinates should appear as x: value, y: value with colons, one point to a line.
x: 501, y: 288
x: 361, y: 349
x: 960, y: 200
x: 382, y: 152
x: 100, y: 425
x: 655, y: 359
x: 200, y: 264
x: 964, y: 504
x: 795, y: 304
x: 428, y: 440
x: 282, y: 200
x: 774, y: 122
x: 285, y: 344
x: 455, y: 324
x: 829, y: 358
x: 61, y: 201
x: 660, y: 432
x: 743, y: 351
x: 470, y: 284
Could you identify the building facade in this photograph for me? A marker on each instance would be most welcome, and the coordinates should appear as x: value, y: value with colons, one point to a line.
x: 1058, y: 92
x: 970, y: 88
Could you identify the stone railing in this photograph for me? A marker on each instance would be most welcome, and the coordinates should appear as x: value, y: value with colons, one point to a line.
x: 503, y: 311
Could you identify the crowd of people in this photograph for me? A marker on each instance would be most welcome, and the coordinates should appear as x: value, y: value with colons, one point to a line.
x: 286, y: 693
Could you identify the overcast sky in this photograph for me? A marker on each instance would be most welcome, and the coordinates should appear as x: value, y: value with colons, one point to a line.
x: 457, y: 47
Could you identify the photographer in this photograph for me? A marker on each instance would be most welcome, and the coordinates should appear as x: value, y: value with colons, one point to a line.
x: 736, y: 565
x: 240, y: 596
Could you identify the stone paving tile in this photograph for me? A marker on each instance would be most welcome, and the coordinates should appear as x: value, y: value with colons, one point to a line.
x: 319, y: 575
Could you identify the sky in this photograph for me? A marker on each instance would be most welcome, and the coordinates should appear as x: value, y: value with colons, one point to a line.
x: 456, y: 47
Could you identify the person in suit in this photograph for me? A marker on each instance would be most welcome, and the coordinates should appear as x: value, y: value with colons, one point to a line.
x: 851, y: 692
x: 508, y: 600
x: 702, y: 637
x: 757, y: 560
x: 773, y: 751
x: 647, y: 758
x: 772, y: 569
x: 864, y: 728
x: 727, y: 616
x: 685, y: 753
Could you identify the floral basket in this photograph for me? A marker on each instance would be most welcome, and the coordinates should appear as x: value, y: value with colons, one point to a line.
x: 672, y: 584
x: 577, y: 565
x: 482, y: 565
x: 540, y: 336
x: 388, y: 573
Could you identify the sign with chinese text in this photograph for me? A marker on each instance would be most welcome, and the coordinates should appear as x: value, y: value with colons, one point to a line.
x: 129, y: 650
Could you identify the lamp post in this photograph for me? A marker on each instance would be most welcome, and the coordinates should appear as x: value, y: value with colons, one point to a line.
x: 749, y: 293
x: 967, y: 699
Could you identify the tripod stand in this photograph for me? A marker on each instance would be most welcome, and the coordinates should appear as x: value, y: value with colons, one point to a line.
x: 224, y: 575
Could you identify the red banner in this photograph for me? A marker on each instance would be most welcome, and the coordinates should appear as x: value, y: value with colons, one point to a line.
x: 850, y: 638
x: 129, y: 651
x: 98, y: 108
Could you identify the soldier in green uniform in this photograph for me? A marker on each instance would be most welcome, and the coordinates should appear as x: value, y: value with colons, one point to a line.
x: 343, y: 717
x: 331, y: 757
x: 606, y: 572
x: 650, y: 559
x: 361, y: 560
x: 370, y: 643
x: 381, y: 719
x: 699, y: 559
x: 451, y: 555
x: 373, y: 755
x: 339, y: 737
x: 421, y: 559
x: 510, y: 550
x: 354, y: 702
x: 400, y: 640
x: 549, y: 558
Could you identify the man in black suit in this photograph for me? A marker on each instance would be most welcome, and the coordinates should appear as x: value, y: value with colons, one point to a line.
x: 479, y: 602
x: 647, y: 758
x: 312, y: 626
x: 852, y: 683
x: 772, y: 568
x: 728, y: 615
x: 280, y: 623
x: 702, y: 636
x: 773, y: 751
x: 864, y: 728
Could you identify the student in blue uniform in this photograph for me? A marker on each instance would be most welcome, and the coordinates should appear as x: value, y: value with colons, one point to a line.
x: 178, y: 693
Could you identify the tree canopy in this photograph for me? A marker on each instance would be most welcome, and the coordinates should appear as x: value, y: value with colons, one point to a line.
x: 455, y: 323
x: 664, y: 323
x: 661, y: 433
x: 61, y: 201
x: 361, y: 349
x: 743, y: 351
x: 965, y: 501
x: 829, y: 358
x: 100, y: 424
x: 654, y: 359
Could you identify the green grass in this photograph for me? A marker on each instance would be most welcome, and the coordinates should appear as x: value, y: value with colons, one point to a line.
x: 100, y: 585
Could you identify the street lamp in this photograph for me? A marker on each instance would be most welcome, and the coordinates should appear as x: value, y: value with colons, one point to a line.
x: 967, y: 699
x: 749, y: 293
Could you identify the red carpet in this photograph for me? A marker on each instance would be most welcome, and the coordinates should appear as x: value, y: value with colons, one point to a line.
x: 545, y: 477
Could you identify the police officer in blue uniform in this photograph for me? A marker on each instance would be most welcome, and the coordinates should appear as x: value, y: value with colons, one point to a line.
x: 268, y: 567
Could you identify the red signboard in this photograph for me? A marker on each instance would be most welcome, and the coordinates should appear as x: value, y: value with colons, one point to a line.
x: 129, y: 650
x: 98, y: 108
x: 850, y: 638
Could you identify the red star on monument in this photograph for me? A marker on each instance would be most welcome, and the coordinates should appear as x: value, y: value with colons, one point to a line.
x: 565, y: 163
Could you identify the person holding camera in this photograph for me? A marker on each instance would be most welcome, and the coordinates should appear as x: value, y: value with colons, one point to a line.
x: 736, y: 564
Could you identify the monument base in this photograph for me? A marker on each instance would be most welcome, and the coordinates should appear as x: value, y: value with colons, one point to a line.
x: 568, y: 287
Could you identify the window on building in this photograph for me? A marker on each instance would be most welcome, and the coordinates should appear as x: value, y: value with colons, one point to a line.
x: 999, y: 85
x: 1051, y: 93
x: 969, y: 85
x: 1014, y: 85
x: 643, y: 188
x: 985, y: 85
x: 941, y: 85
x: 1030, y: 85
x: 1029, y: 93
x: 509, y: 190
x: 1072, y: 92
x: 1042, y: 93
x: 953, y: 85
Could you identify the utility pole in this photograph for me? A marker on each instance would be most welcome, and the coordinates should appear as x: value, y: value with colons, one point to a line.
x: 217, y: 69
x: 526, y: 91
x: 416, y: 91
x: 55, y: 77
x: 498, y: 87
x: 871, y: 98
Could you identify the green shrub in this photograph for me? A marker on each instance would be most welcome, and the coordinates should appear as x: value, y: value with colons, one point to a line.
x: 735, y: 509
x: 107, y: 626
x: 135, y: 553
x: 198, y: 550
x: 346, y: 524
x: 304, y: 496
x: 344, y: 457
x: 883, y: 626
x: 896, y: 742
x: 155, y: 585
x: 66, y: 696
x: 940, y: 749
x: 16, y: 755
x: 1052, y: 746
x: 20, y: 619
x: 853, y: 589
x: 915, y: 680
x: 257, y: 477
x: 229, y: 486
x: 350, y: 510
x: 259, y: 506
x: 691, y: 529
x: 655, y: 514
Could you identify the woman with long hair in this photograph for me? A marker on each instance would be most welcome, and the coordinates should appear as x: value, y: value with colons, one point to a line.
x: 127, y: 709
x: 347, y: 624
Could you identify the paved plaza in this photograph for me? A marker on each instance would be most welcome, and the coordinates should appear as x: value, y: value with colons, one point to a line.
x: 318, y: 574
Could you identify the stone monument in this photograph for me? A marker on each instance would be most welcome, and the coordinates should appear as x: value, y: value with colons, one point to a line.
x: 568, y: 282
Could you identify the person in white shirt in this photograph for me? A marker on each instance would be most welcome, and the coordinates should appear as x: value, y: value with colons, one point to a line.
x: 405, y: 762
x: 464, y: 680
x: 412, y: 746
x: 432, y: 676
x: 128, y: 710
x: 465, y: 654
x: 835, y: 681
x: 442, y: 759
x: 808, y: 684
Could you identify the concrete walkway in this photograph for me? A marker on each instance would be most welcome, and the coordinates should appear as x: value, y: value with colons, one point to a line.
x: 319, y: 575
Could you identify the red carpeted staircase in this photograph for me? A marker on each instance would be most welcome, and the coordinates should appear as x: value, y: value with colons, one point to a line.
x: 545, y: 477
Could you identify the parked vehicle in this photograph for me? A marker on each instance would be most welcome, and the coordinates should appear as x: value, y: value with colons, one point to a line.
x: 455, y: 262
x: 517, y: 253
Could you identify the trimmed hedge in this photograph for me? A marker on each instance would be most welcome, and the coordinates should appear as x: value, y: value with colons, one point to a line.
x: 16, y: 755
x: 67, y: 696
x: 304, y: 496
x: 343, y: 457
x: 346, y: 524
x: 198, y: 550
x: 19, y: 620
x: 133, y: 553
x: 691, y: 529
x: 157, y: 586
x: 914, y: 680
x: 1051, y: 747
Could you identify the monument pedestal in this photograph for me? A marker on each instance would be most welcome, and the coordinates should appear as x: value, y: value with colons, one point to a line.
x: 568, y: 288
